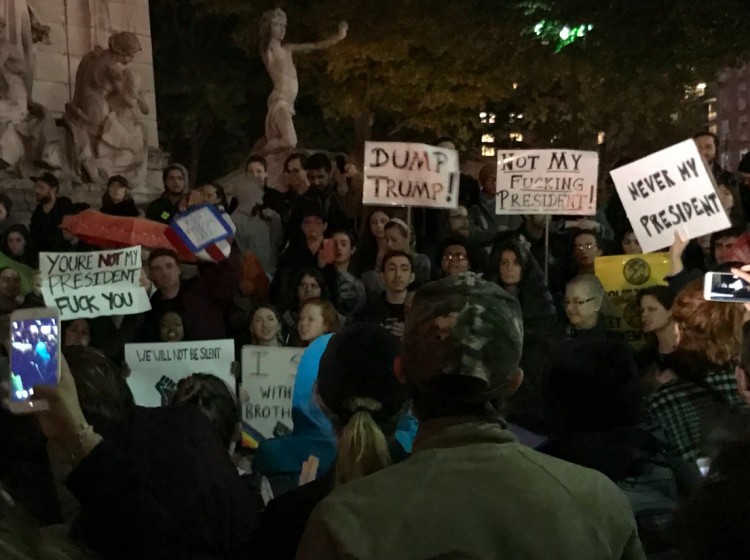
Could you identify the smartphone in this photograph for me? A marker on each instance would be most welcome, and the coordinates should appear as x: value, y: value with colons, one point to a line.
x: 34, y: 356
x: 725, y: 286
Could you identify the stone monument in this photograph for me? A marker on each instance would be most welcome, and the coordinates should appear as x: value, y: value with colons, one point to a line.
x: 77, y: 96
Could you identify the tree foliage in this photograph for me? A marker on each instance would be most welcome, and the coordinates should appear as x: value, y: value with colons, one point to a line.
x: 417, y: 69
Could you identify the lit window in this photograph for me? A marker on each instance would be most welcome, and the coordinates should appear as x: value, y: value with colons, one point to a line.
x: 488, y: 151
x: 491, y: 118
x: 519, y: 116
x: 515, y: 85
x: 700, y: 89
x: 600, y: 137
x: 482, y: 115
x: 516, y: 137
x: 488, y: 138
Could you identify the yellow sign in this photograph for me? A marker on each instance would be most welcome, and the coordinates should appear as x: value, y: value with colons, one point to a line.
x: 622, y: 277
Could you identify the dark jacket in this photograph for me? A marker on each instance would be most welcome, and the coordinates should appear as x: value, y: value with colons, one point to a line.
x: 169, y: 469
x: 333, y: 208
x: 44, y: 228
x: 161, y: 210
x: 125, y: 208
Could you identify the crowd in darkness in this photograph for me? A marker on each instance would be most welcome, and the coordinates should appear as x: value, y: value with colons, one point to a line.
x: 462, y: 391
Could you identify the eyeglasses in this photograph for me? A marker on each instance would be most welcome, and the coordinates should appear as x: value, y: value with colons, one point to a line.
x: 577, y: 302
x: 455, y: 257
x: 585, y: 246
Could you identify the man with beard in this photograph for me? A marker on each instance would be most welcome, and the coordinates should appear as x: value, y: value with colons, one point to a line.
x: 165, y: 207
x: 45, y: 233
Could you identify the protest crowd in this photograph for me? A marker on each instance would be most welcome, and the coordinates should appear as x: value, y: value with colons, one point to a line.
x: 462, y: 381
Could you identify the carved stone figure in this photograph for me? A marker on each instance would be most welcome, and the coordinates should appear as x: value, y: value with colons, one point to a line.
x: 277, y: 57
x: 28, y: 136
x: 108, y: 136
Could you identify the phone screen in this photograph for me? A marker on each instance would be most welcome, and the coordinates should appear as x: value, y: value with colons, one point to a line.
x: 33, y: 358
x: 724, y: 286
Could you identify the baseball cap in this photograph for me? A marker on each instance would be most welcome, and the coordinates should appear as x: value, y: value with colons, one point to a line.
x: 48, y: 178
x: 463, y: 325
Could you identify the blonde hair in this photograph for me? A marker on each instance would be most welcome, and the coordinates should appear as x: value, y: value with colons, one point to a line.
x: 363, y: 448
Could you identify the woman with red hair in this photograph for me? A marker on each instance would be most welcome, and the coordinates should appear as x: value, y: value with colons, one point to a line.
x: 702, y: 388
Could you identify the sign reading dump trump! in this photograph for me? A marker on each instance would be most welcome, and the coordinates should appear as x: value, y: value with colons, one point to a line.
x: 547, y: 182
x: 668, y: 191
x: 400, y: 174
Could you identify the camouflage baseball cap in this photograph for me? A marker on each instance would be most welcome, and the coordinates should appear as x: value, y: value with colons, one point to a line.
x: 463, y: 325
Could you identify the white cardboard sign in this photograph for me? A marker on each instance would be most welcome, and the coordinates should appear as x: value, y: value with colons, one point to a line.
x: 667, y: 191
x: 268, y: 375
x: 156, y: 368
x: 402, y: 174
x: 93, y: 284
x: 547, y: 182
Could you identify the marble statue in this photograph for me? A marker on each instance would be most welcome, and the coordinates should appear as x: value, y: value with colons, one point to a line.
x: 23, y: 29
x: 277, y: 57
x: 28, y: 135
x: 104, y: 116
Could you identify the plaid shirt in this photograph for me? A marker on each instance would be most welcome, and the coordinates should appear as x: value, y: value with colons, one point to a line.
x: 686, y: 411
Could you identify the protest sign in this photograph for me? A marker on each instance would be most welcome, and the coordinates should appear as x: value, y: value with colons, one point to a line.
x: 94, y: 283
x: 547, y: 182
x: 622, y: 277
x: 400, y: 174
x: 156, y: 368
x: 668, y: 191
x: 204, y: 231
x: 268, y: 375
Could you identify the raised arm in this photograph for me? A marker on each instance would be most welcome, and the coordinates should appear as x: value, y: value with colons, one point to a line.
x: 321, y: 45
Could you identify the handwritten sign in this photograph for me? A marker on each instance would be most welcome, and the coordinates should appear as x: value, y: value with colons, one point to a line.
x: 93, y: 284
x: 622, y: 277
x: 155, y: 369
x: 668, y: 191
x: 547, y: 182
x: 400, y: 174
x: 268, y: 375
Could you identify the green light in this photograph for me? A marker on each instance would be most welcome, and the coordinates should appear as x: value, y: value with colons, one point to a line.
x: 559, y: 34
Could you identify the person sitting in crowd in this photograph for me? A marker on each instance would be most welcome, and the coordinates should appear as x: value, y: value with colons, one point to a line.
x: 461, y: 353
x: 372, y: 246
x: 116, y: 199
x: 399, y: 238
x: 323, y: 193
x: 560, y: 265
x: 484, y: 222
x: 517, y: 272
x: 685, y: 265
x: 164, y: 208
x: 630, y: 244
x: 364, y: 402
x: 702, y: 386
x: 266, y: 328
x: 349, y: 289
x: 16, y: 244
x: 171, y: 328
x: 292, y: 184
x: 389, y: 308
x: 587, y: 245
x: 10, y: 290
x: 603, y: 428
x: 50, y: 210
x: 316, y: 318
x: 76, y: 333
x: 584, y: 300
x: 213, y: 193
x: 658, y: 325
x: 7, y: 216
x: 310, y: 283
x: 281, y: 458
x: 310, y: 252
x: 458, y: 255
x: 259, y: 228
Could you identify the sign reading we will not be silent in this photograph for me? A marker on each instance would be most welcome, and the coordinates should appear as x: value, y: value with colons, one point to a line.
x: 547, y: 182
x: 92, y: 284
x: 670, y: 190
x: 401, y: 174
x: 156, y: 368
x: 268, y: 375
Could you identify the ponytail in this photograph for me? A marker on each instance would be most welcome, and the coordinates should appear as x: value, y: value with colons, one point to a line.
x: 363, y: 448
